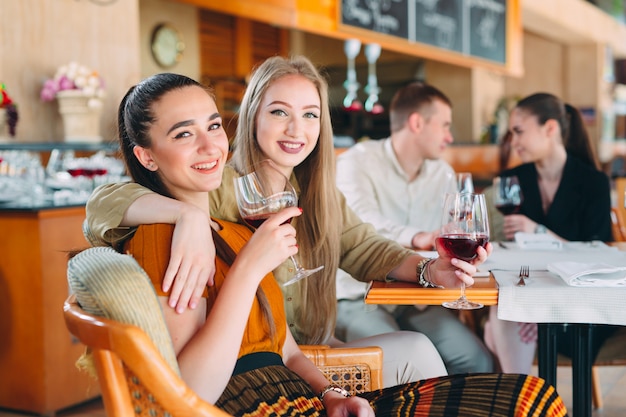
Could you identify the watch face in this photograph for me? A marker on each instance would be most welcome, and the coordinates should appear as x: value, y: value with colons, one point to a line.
x: 167, y: 45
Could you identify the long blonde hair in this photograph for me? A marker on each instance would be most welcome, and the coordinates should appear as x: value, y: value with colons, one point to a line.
x: 318, y: 229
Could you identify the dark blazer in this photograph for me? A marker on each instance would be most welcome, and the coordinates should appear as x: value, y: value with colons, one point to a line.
x: 581, y: 210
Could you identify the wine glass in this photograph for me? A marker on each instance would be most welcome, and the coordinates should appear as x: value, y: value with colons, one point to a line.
x: 507, y: 194
x: 261, y: 193
x: 464, y: 182
x: 464, y: 227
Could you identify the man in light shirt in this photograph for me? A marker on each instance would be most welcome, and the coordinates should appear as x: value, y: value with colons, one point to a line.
x: 398, y: 184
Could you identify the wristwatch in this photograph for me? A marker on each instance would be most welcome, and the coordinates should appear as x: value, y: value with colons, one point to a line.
x: 541, y: 229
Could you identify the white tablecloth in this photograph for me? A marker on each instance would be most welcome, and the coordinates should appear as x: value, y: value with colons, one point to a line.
x: 546, y: 298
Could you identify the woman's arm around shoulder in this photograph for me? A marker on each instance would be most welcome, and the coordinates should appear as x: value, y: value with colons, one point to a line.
x: 192, y: 257
x: 106, y: 208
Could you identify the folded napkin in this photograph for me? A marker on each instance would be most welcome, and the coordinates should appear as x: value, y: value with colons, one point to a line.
x: 589, y: 274
x: 537, y: 241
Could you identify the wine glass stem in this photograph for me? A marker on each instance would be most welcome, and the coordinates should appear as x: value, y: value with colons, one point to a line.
x: 462, y: 297
x: 295, y: 264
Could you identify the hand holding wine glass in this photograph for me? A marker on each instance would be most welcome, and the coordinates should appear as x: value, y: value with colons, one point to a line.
x: 265, y: 191
x: 507, y: 194
x: 464, y: 228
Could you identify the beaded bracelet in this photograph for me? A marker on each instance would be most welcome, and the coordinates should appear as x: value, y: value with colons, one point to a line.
x: 420, y: 272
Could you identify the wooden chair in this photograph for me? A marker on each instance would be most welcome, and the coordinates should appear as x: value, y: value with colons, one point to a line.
x: 618, y: 226
x: 114, y: 311
x: 612, y: 353
x: 620, y: 197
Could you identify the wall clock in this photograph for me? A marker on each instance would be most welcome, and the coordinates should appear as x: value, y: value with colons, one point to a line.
x: 167, y: 45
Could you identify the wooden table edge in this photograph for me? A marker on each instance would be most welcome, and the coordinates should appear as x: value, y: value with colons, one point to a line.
x: 484, y: 291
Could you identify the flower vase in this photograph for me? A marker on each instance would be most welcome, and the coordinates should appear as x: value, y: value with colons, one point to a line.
x: 81, y: 116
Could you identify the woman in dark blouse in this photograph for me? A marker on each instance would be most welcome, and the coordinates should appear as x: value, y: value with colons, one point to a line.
x: 565, y: 195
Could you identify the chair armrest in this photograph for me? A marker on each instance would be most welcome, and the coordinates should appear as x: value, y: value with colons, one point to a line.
x: 356, y: 369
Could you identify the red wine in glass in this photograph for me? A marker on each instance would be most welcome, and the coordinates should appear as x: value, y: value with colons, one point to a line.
x: 76, y: 172
x: 100, y: 171
x: 269, y: 205
x: 256, y: 221
x: 507, y: 209
x: 507, y: 194
x: 464, y: 227
x: 462, y: 246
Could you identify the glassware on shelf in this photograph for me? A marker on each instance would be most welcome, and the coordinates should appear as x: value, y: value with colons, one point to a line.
x: 372, y: 104
x: 351, y: 101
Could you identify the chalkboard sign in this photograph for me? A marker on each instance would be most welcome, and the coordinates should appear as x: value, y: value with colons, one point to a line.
x: 471, y: 27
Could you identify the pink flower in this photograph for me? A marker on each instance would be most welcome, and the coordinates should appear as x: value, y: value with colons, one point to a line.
x: 65, y: 83
x: 73, y: 77
x: 49, y: 90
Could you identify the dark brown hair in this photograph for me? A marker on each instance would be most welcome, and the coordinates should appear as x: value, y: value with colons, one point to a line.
x: 416, y: 97
x: 576, y: 140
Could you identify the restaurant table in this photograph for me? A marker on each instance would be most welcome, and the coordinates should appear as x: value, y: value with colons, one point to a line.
x: 546, y: 300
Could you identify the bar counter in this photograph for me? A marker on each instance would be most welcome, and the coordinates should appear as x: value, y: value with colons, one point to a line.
x: 37, y: 353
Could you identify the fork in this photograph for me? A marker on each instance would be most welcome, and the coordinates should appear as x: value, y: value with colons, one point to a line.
x: 523, y: 273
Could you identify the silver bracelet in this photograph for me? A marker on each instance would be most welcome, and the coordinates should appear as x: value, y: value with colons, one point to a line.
x: 335, y: 388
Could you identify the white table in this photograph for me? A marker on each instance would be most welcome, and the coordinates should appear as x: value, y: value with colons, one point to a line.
x: 549, y: 301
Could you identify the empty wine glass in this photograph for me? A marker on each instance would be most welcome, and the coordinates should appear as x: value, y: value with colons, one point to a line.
x: 464, y: 182
x: 507, y: 194
x: 261, y: 193
x: 464, y: 227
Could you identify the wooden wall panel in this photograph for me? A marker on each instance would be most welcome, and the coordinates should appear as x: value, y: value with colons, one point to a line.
x: 217, y: 44
x: 37, y: 36
x: 267, y: 41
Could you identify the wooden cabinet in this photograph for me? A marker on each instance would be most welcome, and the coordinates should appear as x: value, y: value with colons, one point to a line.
x: 37, y: 353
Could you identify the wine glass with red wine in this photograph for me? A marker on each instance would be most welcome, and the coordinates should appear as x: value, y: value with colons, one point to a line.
x: 507, y: 194
x: 261, y: 193
x: 464, y: 227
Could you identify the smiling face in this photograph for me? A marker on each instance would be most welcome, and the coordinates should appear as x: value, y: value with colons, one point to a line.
x: 530, y: 140
x: 189, y: 146
x: 288, y: 121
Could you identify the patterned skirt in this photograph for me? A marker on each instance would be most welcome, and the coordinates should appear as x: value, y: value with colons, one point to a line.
x: 270, y: 391
x: 277, y: 391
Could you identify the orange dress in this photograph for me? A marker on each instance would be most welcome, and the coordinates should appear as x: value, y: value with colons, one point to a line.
x: 150, y: 246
